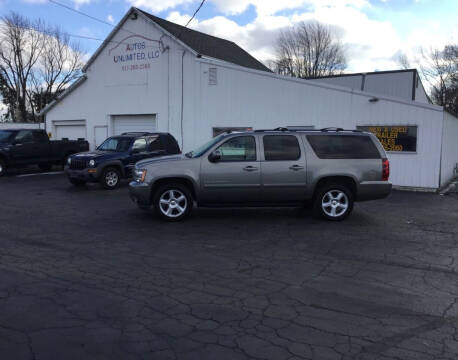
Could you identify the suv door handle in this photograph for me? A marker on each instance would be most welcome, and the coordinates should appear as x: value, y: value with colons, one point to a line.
x: 250, y: 168
x: 296, y: 167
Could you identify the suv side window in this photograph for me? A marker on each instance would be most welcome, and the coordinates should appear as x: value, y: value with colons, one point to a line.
x: 154, y: 143
x: 139, y: 145
x: 281, y: 148
x: 240, y: 148
x: 343, y: 147
x: 24, y: 136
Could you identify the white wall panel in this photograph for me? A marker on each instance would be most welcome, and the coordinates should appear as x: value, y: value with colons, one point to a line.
x: 449, y: 159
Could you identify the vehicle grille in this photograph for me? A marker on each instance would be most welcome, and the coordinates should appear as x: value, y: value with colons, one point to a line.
x: 77, y: 164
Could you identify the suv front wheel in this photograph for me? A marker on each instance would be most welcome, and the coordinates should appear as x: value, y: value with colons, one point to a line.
x: 111, y: 178
x: 333, y: 202
x: 173, y: 202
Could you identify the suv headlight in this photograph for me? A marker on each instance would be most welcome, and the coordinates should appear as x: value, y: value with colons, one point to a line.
x: 69, y: 161
x: 91, y: 163
x: 139, y: 175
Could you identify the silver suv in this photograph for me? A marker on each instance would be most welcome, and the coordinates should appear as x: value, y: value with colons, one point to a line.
x: 332, y: 168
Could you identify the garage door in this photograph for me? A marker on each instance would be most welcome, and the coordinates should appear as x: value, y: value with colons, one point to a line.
x: 71, y: 132
x: 134, y: 123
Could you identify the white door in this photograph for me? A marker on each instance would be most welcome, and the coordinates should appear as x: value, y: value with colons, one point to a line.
x: 71, y: 132
x: 100, y: 135
x: 134, y: 123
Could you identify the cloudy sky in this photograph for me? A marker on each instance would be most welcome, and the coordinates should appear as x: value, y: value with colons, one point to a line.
x: 373, y: 31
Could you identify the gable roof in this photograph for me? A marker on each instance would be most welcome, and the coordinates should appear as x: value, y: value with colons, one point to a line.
x: 208, y: 45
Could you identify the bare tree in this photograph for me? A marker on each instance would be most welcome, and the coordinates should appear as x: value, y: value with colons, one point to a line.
x: 58, y: 66
x: 20, y: 49
x: 36, y: 64
x: 439, y: 68
x: 402, y: 60
x: 309, y: 49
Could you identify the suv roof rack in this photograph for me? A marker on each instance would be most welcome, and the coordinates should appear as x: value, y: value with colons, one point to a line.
x: 327, y: 129
x: 140, y: 133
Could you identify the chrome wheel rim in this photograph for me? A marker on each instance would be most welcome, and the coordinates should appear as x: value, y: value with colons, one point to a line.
x: 111, y: 178
x: 173, y: 203
x: 335, y: 203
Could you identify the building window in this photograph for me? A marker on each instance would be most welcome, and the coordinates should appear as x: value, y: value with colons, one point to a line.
x: 395, y: 138
x: 227, y: 129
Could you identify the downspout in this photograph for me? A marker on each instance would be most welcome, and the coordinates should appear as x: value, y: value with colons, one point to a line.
x: 163, y: 49
x: 182, y: 97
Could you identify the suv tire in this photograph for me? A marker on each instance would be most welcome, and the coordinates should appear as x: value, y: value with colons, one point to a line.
x: 111, y: 178
x: 77, y: 182
x: 173, y: 202
x: 2, y: 168
x: 333, y: 202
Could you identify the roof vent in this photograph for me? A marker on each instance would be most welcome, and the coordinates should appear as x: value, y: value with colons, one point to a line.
x: 212, y: 76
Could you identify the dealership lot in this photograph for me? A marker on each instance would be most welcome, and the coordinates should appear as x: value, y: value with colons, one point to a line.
x: 85, y: 274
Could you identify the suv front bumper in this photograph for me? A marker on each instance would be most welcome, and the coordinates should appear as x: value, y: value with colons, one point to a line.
x: 88, y: 174
x: 140, y: 193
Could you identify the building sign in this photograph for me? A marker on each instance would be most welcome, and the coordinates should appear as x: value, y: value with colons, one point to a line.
x: 135, y: 52
x: 395, y: 138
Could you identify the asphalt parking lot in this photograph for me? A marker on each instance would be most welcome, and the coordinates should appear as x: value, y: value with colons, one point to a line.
x: 84, y: 274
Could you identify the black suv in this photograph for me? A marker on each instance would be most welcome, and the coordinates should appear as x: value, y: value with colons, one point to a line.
x: 116, y: 158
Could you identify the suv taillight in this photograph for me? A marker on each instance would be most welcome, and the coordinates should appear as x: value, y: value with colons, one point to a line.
x: 385, y: 169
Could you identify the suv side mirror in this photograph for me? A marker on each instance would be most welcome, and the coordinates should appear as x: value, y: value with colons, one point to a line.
x: 215, y: 156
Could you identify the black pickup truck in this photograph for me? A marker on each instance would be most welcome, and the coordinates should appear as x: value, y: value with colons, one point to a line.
x: 20, y: 147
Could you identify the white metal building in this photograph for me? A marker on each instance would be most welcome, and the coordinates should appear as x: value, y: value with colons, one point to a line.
x: 403, y: 84
x: 151, y: 74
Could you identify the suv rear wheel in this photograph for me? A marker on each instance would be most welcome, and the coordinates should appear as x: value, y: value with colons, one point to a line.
x: 173, y: 202
x: 111, y: 178
x: 333, y: 202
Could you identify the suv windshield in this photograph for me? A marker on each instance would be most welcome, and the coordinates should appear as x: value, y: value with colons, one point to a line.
x: 202, y: 149
x: 5, y: 136
x: 119, y: 144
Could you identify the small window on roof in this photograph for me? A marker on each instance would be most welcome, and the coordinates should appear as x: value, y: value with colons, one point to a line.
x: 212, y: 76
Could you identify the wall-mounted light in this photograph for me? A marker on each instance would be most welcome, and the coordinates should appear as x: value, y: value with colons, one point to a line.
x: 374, y: 100
x: 134, y: 16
